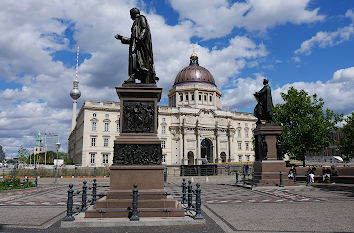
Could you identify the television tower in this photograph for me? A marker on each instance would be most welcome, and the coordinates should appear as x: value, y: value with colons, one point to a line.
x: 75, y: 92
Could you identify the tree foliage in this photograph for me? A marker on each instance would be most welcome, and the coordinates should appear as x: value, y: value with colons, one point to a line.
x: 22, y: 154
x: 307, y: 127
x: 346, y: 146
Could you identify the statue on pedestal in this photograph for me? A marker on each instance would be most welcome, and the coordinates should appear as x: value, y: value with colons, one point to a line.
x: 141, y: 59
x: 264, y: 107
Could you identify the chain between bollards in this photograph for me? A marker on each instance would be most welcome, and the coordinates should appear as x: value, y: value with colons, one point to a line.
x: 281, y: 179
x: 198, y: 203
x: 190, y: 196
x: 84, y: 197
x: 184, y: 191
x: 69, y: 211
x: 94, y: 192
x: 134, y: 216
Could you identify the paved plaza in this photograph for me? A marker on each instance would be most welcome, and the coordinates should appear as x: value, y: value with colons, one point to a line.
x: 226, y: 207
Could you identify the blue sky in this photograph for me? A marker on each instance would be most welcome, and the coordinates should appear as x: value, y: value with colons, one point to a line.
x: 307, y: 44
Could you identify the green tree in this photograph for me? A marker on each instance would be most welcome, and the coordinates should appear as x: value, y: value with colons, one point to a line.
x: 346, y: 146
x: 307, y: 127
x: 22, y: 154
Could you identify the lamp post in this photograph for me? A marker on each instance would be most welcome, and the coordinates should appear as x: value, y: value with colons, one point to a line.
x: 56, y: 164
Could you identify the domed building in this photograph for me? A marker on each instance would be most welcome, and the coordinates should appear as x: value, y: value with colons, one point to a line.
x: 193, y: 127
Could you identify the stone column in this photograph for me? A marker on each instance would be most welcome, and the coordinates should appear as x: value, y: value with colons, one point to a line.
x: 217, y: 139
x: 196, y: 98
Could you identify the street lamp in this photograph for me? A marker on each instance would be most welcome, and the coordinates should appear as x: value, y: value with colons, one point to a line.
x: 56, y: 165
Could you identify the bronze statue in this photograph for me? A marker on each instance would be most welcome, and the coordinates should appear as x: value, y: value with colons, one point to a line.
x: 141, y: 60
x: 264, y: 107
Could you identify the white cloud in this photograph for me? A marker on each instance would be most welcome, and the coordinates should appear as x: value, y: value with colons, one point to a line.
x: 337, y: 92
x: 328, y: 39
x: 36, y: 30
x: 218, y: 18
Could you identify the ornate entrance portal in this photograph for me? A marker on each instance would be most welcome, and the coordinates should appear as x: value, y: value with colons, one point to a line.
x: 207, y: 151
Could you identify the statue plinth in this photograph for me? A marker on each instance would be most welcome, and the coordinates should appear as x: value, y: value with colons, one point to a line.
x: 269, y: 160
x: 137, y: 159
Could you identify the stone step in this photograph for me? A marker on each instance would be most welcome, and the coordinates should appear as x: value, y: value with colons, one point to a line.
x: 143, y: 212
x: 143, y: 194
x: 125, y: 203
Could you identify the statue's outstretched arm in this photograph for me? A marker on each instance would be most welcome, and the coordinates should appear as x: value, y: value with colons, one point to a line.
x: 125, y: 40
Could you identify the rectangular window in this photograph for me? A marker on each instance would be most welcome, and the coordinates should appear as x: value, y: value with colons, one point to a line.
x: 192, y: 96
x: 239, y: 133
x: 106, y: 115
x: 105, y: 141
x: 247, y: 146
x: 248, y: 158
x: 240, y: 158
x: 92, y: 158
x: 105, y: 158
x: 94, y: 124
x: 200, y: 97
x: 187, y: 96
x: 93, y: 141
x: 239, y: 145
x: 118, y: 127
x: 163, y: 119
x: 163, y: 129
x: 181, y: 97
x: 246, y: 133
x: 163, y: 158
x: 163, y: 144
x: 210, y: 98
x: 106, y: 126
x: 205, y: 97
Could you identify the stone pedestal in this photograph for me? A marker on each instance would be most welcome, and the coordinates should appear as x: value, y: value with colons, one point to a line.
x: 269, y: 161
x: 137, y: 160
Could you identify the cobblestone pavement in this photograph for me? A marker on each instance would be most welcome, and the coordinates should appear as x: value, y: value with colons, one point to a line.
x: 228, y: 208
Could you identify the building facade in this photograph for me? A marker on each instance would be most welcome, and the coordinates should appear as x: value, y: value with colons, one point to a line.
x: 193, y: 128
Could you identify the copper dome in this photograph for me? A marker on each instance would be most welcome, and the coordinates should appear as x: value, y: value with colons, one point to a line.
x: 194, y: 73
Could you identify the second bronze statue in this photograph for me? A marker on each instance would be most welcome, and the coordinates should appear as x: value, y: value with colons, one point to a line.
x: 141, y: 59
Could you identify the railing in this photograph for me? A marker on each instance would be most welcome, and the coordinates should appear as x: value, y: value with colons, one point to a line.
x: 187, y: 201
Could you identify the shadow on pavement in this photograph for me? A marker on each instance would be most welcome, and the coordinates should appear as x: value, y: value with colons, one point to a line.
x: 340, y: 189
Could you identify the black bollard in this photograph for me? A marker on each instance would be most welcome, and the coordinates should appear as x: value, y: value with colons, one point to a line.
x: 184, y: 191
x: 294, y: 178
x: 308, y: 183
x: 69, y: 211
x: 134, y: 216
x: 94, y: 192
x: 36, y: 177
x: 236, y: 177
x: 190, y: 196
x: 281, y: 179
x: 198, y: 203
x: 165, y: 175
x: 253, y: 181
x: 244, y: 175
x: 84, y: 197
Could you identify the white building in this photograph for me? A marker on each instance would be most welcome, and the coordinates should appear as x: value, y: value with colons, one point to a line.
x: 193, y: 128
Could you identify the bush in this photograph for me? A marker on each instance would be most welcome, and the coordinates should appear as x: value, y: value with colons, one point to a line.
x: 14, y: 183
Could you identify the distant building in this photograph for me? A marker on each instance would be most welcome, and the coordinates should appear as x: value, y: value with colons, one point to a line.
x: 38, y: 147
x: 193, y: 128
